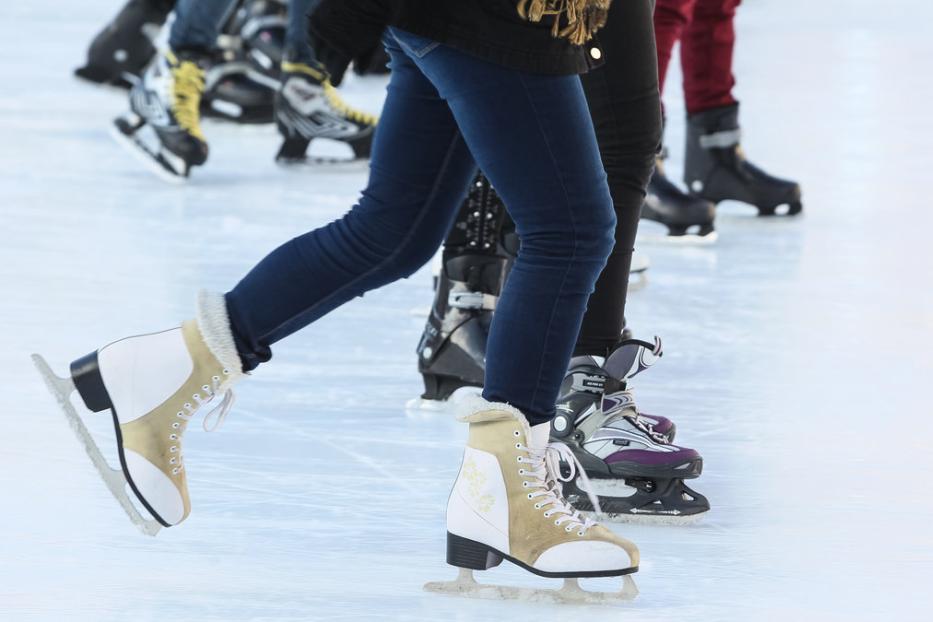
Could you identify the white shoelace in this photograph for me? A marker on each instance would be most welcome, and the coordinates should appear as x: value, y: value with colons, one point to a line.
x: 219, y: 413
x: 546, y: 484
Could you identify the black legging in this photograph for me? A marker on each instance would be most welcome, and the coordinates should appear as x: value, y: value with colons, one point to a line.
x: 625, y: 106
x: 626, y: 109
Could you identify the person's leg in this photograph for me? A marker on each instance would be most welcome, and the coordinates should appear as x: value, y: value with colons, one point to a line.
x: 715, y: 167
x: 625, y: 106
x: 706, y: 50
x: 537, y: 146
x: 297, y: 43
x: 197, y: 24
x: 670, y: 19
x: 401, y: 219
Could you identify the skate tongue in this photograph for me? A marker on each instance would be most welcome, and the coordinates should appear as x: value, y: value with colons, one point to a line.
x: 540, y: 434
x: 633, y: 357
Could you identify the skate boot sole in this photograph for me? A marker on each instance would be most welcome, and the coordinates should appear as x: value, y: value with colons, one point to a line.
x: 115, y: 479
x: 466, y: 553
x: 690, y: 469
x: 469, y: 555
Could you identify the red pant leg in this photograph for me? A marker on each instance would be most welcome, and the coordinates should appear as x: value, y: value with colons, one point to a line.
x: 670, y: 19
x: 706, y: 55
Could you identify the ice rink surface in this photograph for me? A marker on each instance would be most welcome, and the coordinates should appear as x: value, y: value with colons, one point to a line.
x: 798, y: 358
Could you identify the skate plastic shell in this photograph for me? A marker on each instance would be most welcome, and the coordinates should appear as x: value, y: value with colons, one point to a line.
x: 569, y: 593
x: 62, y: 388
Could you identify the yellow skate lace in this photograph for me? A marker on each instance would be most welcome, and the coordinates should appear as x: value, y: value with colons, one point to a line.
x: 337, y: 103
x: 188, y: 85
x: 331, y: 94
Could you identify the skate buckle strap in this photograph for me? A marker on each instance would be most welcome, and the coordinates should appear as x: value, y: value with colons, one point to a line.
x: 721, y: 140
x: 546, y: 484
x: 472, y: 300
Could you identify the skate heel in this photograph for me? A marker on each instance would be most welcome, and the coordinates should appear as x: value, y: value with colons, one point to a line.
x: 85, y: 373
x: 465, y: 553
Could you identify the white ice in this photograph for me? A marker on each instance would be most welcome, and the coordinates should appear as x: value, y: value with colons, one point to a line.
x: 798, y: 358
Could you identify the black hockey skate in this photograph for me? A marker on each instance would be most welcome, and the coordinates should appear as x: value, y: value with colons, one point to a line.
x: 632, y: 466
x: 163, y: 125
x: 307, y: 107
x: 687, y: 218
x: 260, y: 27
x: 243, y: 77
x: 235, y: 91
x: 120, y: 52
x: 716, y: 169
x: 477, y: 257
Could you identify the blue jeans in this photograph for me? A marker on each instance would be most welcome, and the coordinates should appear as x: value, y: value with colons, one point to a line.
x: 533, y: 137
x: 197, y: 24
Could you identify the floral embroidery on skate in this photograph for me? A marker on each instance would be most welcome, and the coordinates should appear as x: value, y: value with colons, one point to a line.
x: 476, y: 481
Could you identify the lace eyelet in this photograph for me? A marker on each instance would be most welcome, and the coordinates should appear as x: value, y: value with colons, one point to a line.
x: 173, y: 449
x: 176, y: 425
x: 172, y: 461
x: 521, y: 471
x: 568, y: 529
x: 174, y: 471
x: 196, y: 396
x: 226, y: 372
x: 172, y: 437
x: 547, y: 514
x: 204, y: 387
x: 557, y: 523
x: 580, y: 533
x: 215, y: 378
x: 179, y: 414
x: 516, y: 433
x: 537, y: 506
x: 530, y: 497
x: 519, y: 459
x: 518, y: 445
x: 187, y: 405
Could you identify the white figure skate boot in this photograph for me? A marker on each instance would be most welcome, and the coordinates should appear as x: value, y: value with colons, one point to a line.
x: 153, y: 384
x: 507, y: 504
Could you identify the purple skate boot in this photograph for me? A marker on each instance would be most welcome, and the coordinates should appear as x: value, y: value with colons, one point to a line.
x: 632, y: 466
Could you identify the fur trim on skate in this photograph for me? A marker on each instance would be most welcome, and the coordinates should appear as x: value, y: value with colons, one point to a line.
x: 214, y: 324
x: 476, y: 409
